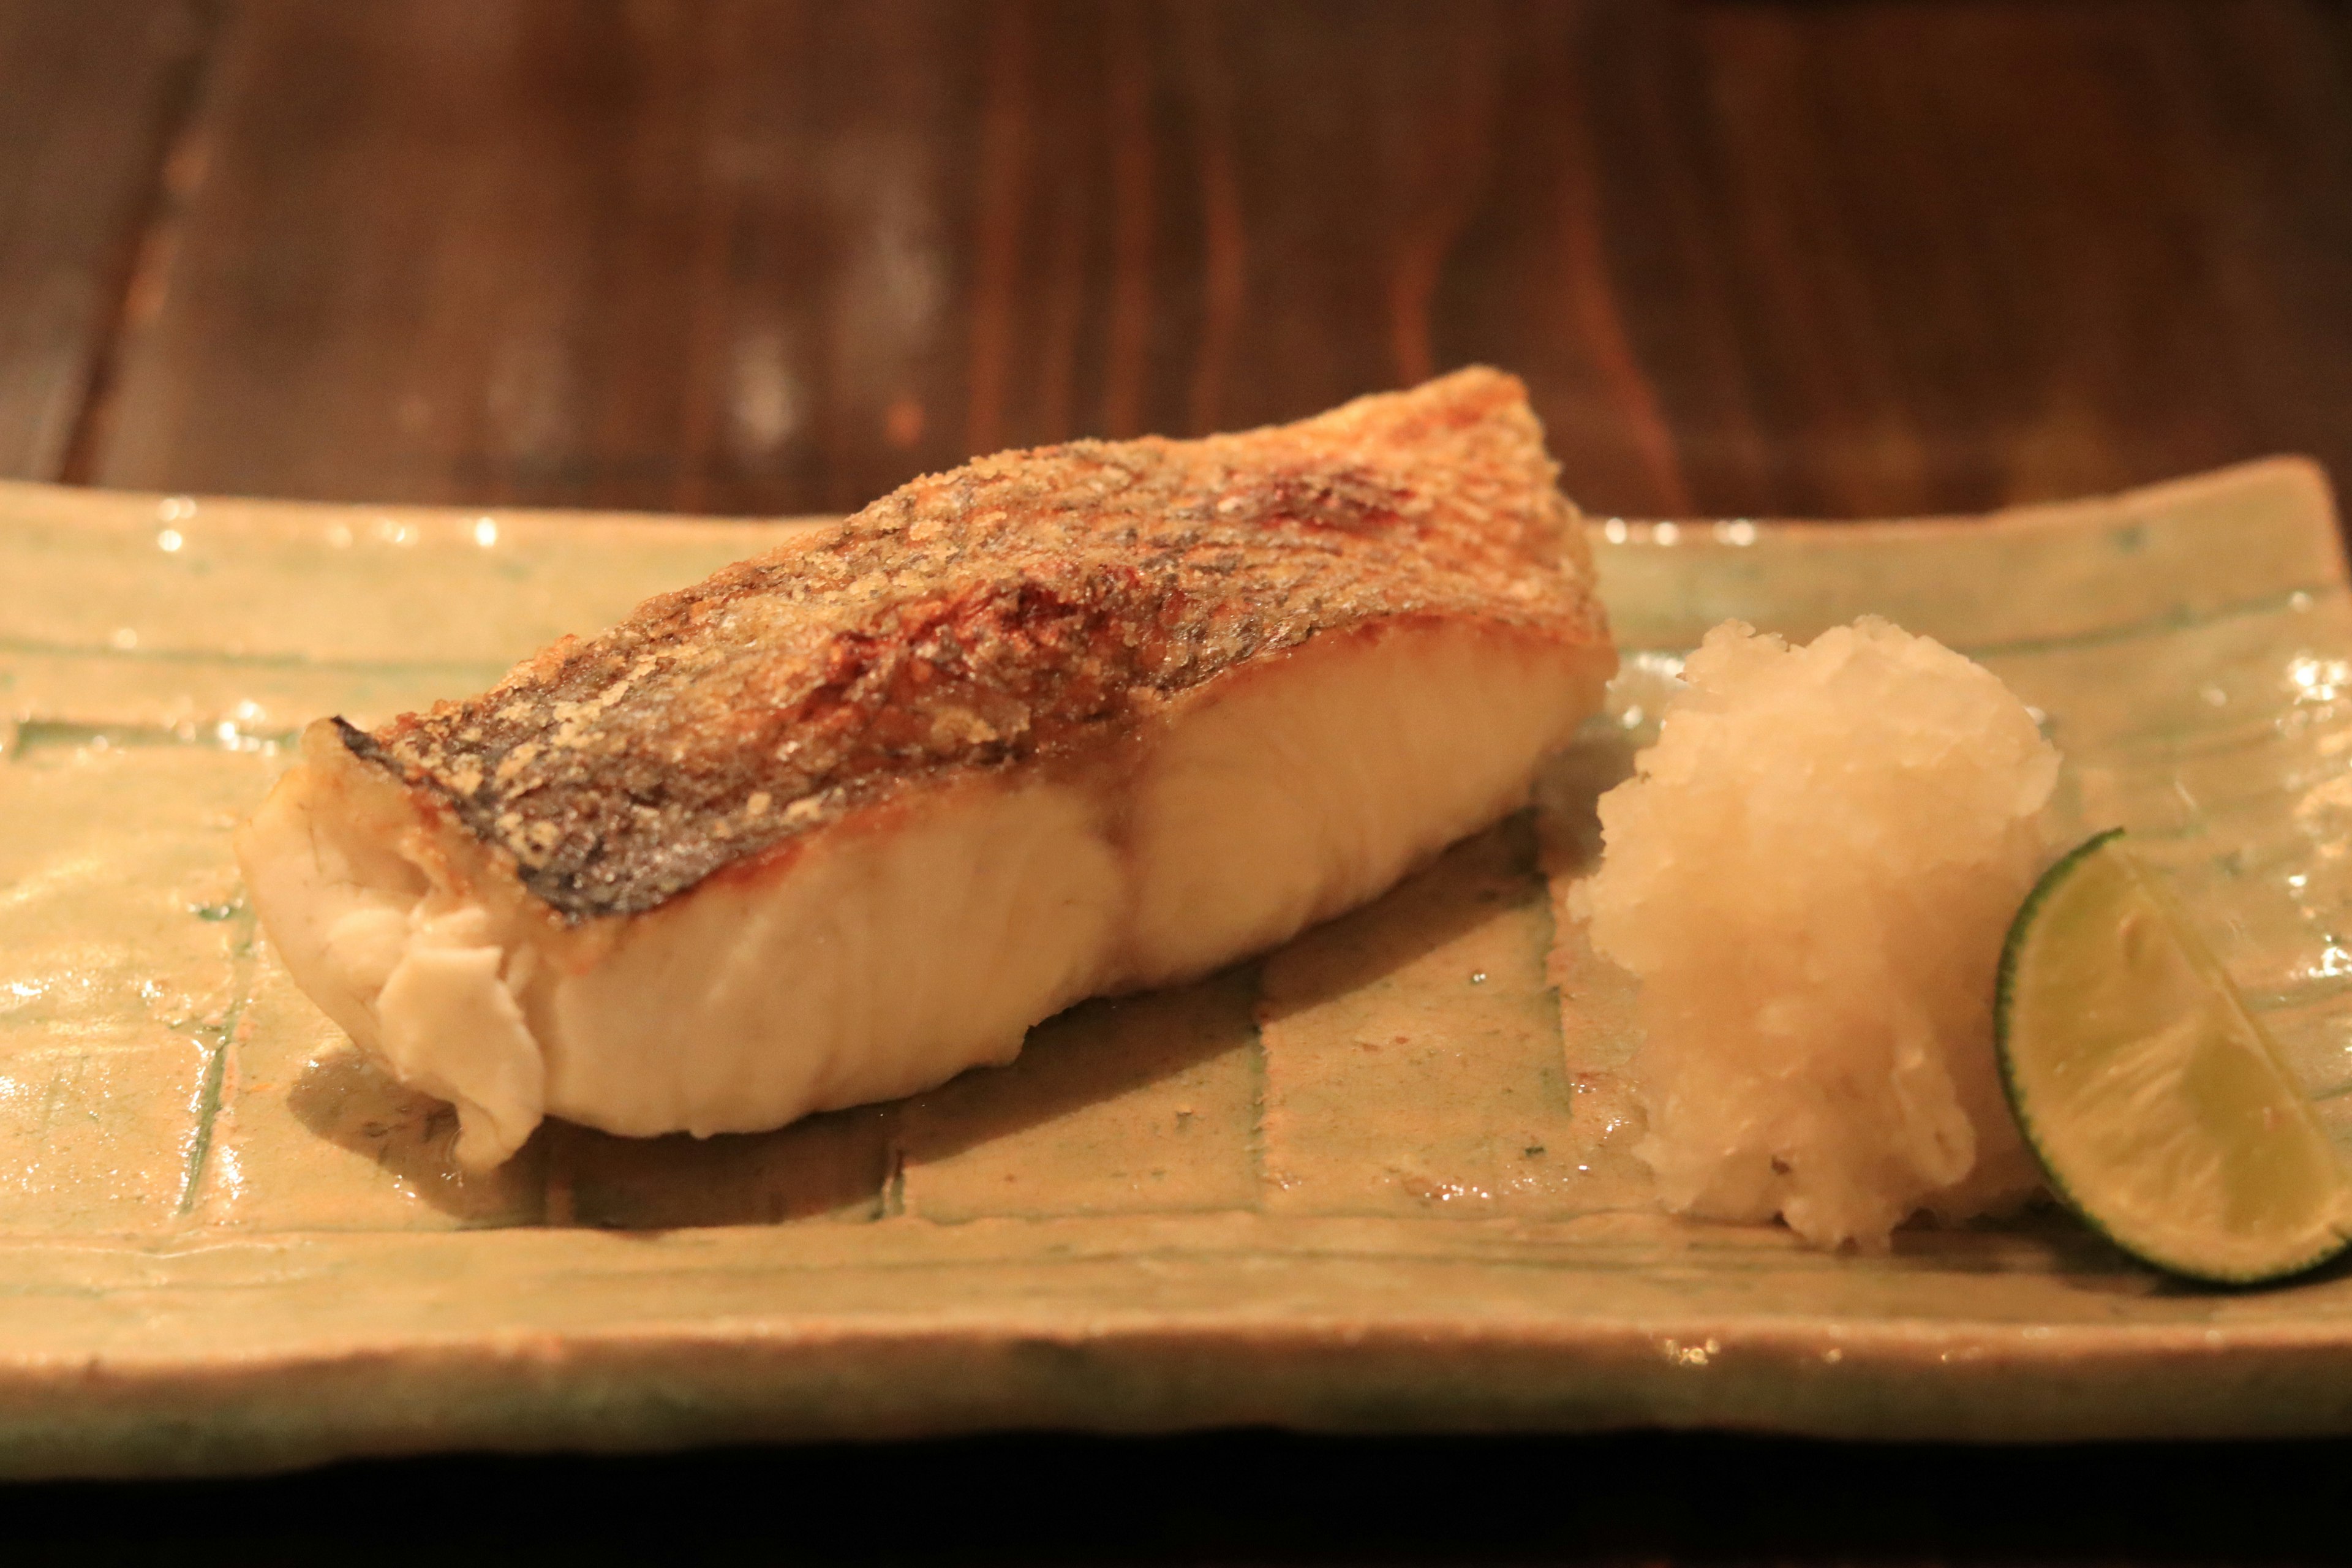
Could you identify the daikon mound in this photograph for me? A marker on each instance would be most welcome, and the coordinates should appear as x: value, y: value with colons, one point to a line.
x: 1812, y: 873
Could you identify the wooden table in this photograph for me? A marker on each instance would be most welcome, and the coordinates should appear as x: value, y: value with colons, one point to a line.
x: 756, y: 256
x: 778, y: 256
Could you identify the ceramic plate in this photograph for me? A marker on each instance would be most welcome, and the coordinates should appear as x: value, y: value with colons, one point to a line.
x: 1379, y: 1181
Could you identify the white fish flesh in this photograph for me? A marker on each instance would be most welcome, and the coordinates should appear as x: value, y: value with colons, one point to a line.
x: 849, y: 818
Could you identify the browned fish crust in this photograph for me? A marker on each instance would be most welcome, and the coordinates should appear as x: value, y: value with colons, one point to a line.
x: 1026, y: 606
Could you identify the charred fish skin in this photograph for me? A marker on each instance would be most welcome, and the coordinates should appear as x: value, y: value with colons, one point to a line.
x: 1026, y: 607
x: 848, y: 817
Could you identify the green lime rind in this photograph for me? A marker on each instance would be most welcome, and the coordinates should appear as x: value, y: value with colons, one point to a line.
x: 2157, y: 1105
x: 2005, y: 988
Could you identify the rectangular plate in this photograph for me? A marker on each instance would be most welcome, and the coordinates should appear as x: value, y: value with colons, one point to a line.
x: 1378, y: 1180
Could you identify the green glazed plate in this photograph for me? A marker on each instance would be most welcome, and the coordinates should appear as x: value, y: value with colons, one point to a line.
x: 1379, y: 1181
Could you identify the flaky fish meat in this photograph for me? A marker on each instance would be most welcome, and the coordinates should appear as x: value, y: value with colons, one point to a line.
x: 848, y: 817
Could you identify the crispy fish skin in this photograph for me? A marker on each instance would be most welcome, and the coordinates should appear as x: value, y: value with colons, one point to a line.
x: 1026, y: 607
x: 848, y: 817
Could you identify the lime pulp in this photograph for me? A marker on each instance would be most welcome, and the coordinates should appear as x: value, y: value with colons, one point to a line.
x: 2159, y: 1106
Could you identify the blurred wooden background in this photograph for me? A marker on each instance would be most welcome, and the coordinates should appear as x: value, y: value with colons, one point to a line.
x: 778, y: 256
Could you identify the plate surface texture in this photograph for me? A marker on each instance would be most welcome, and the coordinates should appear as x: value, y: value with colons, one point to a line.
x: 1378, y: 1180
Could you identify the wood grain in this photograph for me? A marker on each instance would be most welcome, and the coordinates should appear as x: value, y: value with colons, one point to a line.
x: 1753, y: 258
x: 89, y: 99
x: 1937, y: 257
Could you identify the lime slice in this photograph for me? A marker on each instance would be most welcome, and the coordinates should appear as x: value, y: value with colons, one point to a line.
x: 2158, y: 1107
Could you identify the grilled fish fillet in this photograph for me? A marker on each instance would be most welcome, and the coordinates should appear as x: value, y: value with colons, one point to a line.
x: 849, y: 818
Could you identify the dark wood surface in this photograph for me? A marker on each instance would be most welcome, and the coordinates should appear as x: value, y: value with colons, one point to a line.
x: 777, y: 256
x: 90, y: 97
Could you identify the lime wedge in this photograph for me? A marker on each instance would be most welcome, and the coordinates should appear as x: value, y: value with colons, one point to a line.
x: 2158, y: 1107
